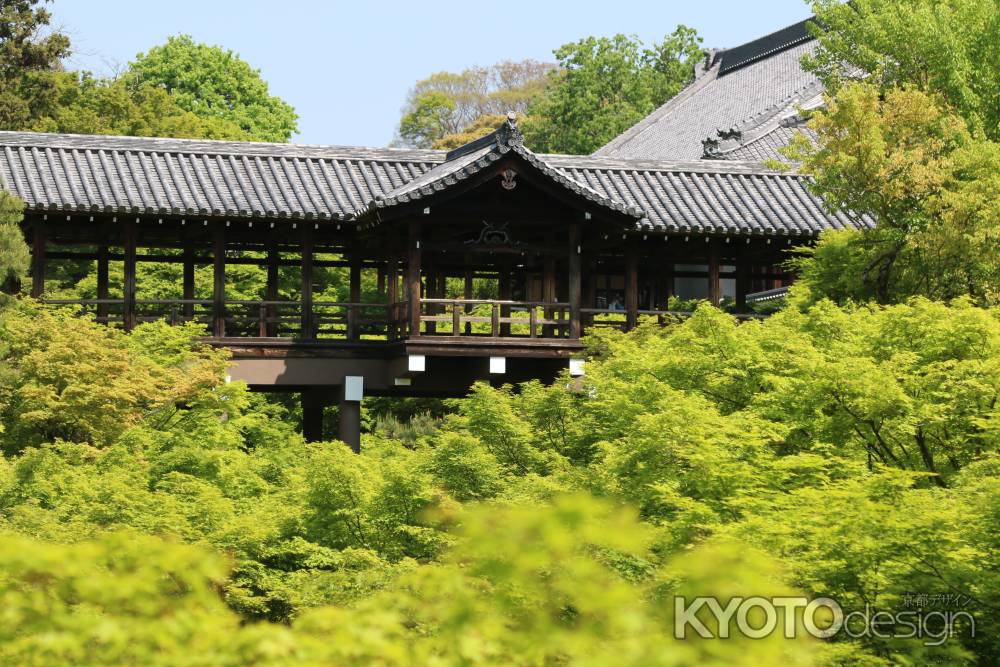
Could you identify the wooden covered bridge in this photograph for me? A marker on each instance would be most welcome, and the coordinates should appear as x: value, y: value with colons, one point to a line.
x: 558, y: 243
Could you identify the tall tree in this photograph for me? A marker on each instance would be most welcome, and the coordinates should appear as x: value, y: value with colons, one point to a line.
x: 448, y: 104
x: 947, y: 47
x: 29, y: 61
x: 14, y: 255
x: 216, y: 84
x: 606, y: 85
x: 908, y: 138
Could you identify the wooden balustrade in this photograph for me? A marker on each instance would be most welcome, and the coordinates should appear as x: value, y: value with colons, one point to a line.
x: 494, y: 318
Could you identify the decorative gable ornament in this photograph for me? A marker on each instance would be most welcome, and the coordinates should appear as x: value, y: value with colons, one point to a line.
x: 507, y: 181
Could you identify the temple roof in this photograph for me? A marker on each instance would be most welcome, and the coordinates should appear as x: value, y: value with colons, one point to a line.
x: 476, y: 156
x: 735, y: 91
x: 142, y: 176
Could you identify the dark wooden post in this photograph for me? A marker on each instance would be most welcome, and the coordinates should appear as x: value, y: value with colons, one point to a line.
x: 39, y: 236
x: 392, y: 287
x: 714, y: 285
x: 312, y: 415
x: 574, y: 281
x: 219, y: 281
x: 430, y: 292
x: 589, y: 294
x: 664, y: 287
x: 271, y: 288
x: 631, y: 284
x: 504, y: 293
x: 742, y: 284
x: 353, y: 313
x: 187, y: 279
x: 467, y: 295
x: 548, y: 285
x: 102, y: 282
x: 129, y: 232
x: 413, y: 276
x: 308, y: 327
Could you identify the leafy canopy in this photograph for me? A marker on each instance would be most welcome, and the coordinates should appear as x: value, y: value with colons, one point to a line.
x: 214, y: 83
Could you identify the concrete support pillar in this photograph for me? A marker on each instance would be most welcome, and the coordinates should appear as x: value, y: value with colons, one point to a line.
x: 350, y: 412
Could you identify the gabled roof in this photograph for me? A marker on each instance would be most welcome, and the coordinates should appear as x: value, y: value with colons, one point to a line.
x: 476, y: 156
x: 140, y: 176
x: 742, y: 87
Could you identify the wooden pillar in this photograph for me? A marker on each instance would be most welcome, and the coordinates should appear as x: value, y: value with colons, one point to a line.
x: 39, y: 237
x: 430, y: 292
x: 129, y: 232
x: 631, y: 284
x: 503, y: 284
x: 742, y: 284
x: 664, y: 287
x: 308, y: 326
x: 574, y: 291
x: 392, y: 289
x: 312, y: 415
x: 548, y: 288
x: 714, y: 260
x: 350, y: 424
x: 187, y: 279
x: 271, y: 288
x: 102, y: 283
x: 467, y: 295
x: 353, y: 313
x: 413, y: 276
x: 219, y: 281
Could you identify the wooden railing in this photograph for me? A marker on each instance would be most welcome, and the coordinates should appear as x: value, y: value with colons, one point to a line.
x: 494, y: 318
x: 259, y: 318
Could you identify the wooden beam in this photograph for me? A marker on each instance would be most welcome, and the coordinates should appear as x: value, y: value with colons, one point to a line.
x: 714, y: 262
x: 574, y: 281
x: 308, y: 321
x: 39, y: 236
x: 631, y: 284
x: 392, y: 287
x: 219, y: 281
x: 413, y: 254
x: 129, y: 233
x: 467, y: 294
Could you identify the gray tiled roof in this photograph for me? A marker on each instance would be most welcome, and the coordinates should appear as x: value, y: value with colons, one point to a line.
x: 743, y: 87
x: 469, y: 160
x: 183, y: 177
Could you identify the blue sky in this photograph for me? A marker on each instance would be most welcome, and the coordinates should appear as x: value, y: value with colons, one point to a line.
x: 346, y: 66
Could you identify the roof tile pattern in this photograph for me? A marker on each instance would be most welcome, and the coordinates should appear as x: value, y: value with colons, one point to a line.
x: 718, y: 100
x: 75, y: 173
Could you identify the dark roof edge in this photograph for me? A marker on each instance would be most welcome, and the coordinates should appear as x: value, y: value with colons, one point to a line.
x: 762, y: 47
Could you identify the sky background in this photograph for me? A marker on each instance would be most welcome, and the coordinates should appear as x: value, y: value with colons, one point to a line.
x: 346, y: 66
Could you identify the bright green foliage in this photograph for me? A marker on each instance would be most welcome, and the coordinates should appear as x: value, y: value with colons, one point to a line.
x: 902, y: 159
x: 29, y: 60
x: 14, y: 253
x: 86, y: 105
x: 947, y: 48
x: 604, y: 86
x: 427, y: 121
x: 855, y: 447
x: 214, y: 83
